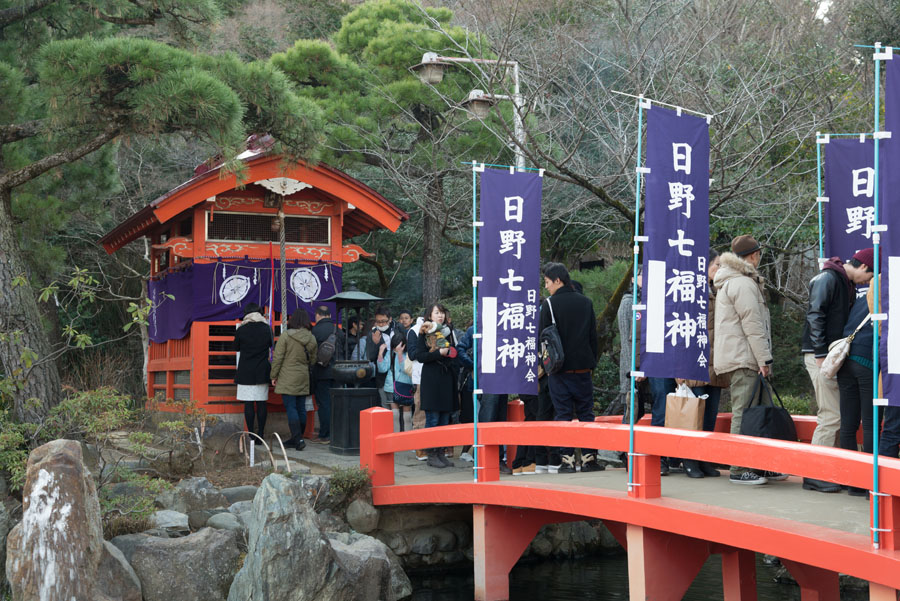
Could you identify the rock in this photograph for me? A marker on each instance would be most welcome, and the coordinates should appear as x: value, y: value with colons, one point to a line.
x: 125, y: 489
x: 239, y: 493
x: 331, y: 522
x: 198, y: 567
x: 55, y: 551
x: 90, y: 456
x: 163, y: 533
x: 219, y: 437
x: 4, y: 489
x: 362, y: 516
x: 243, y: 510
x: 426, y: 541
x: 115, y: 577
x: 190, y: 495
x: 127, y: 543
x: 374, y: 569
x: 197, y: 519
x: 283, y: 536
x: 173, y: 522
x: 226, y: 521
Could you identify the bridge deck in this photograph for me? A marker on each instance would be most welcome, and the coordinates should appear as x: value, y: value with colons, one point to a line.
x: 784, y: 500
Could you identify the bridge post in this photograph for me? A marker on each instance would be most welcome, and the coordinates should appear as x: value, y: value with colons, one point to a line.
x: 646, y: 477
x: 739, y: 575
x: 816, y: 584
x: 662, y: 565
x: 880, y: 592
x: 889, y: 507
x: 375, y: 422
x: 488, y: 464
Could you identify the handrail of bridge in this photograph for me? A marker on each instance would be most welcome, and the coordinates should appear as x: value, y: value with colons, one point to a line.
x: 378, y: 443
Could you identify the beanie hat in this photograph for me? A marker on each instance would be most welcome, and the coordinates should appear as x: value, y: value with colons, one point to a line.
x: 866, y: 256
x: 744, y: 245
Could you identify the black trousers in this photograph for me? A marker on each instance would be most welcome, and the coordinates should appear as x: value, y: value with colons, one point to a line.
x: 856, y: 386
x: 525, y: 454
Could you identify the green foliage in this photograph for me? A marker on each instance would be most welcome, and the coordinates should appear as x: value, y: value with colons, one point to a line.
x: 91, y: 416
x: 349, y: 482
x: 599, y: 284
x: 130, y: 513
x: 789, y: 371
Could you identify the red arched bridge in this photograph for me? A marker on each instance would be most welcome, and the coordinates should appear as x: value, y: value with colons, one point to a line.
x: 668, y: 536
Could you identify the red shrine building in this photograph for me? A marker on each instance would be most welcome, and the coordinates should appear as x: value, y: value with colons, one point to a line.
x: 214, y: 249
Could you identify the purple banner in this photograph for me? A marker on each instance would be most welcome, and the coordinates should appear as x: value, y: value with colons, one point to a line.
x: 219, y: 291
x: 676, y: 221
x: 889, y: 205
x: 850, y: 187
x: 509, y: 253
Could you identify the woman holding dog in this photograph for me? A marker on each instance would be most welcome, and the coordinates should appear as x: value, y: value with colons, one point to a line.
x: 436, y: 351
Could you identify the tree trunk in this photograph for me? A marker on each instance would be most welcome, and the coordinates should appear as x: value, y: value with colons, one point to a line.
x: 21, y: 330
x: 431, y: 247
x: 431, y: 261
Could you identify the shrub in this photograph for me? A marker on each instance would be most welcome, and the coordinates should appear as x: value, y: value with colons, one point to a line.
x: 349, y: 482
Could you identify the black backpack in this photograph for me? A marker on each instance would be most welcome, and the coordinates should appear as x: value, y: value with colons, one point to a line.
x: 552, y: 354
x: 326, y: 349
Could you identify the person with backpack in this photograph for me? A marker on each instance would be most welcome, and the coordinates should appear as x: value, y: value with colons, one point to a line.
x: 571, y: 389
x: 252, y: 340
x: 397, y: 382
x: 330, y: 341
x: 295, y: 353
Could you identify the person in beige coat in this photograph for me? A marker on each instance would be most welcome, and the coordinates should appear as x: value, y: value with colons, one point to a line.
x: 294, y: 353
x: 743, y: 344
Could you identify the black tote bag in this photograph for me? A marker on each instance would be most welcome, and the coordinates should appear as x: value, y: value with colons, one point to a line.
x: 768, y: 420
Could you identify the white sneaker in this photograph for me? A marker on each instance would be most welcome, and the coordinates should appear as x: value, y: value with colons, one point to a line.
x: 553, y: 469
x: 467, y: 457
x: 541, y: 469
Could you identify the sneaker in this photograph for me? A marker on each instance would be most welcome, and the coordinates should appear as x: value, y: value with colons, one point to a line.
x: 525, y: 470
x: 553, y: 469
x: 776, y: 476
x: 747, y: 478
x: 467, y: 457
x: 421, y: 455
x: 300, y: 445
x: 568, y: 465
x: 448, y: 452
x: 592, y: 466
x: 504, y: 469
x: 541, y: 469
x: 445, y: 460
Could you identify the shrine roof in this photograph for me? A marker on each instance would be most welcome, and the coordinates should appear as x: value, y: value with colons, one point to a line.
x: 371, y: 209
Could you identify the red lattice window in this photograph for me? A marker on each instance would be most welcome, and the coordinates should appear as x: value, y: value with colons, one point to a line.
x: 248, y: 227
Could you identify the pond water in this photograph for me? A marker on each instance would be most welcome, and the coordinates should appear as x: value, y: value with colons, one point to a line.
x: 602, y: 578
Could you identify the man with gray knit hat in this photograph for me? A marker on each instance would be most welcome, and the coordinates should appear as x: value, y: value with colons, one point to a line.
x: 831, y: 292
x: 743, y: 342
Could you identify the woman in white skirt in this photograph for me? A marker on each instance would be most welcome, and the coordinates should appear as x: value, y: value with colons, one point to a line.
x: 252, y: 341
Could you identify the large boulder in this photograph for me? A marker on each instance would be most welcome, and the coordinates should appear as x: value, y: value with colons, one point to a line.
x: 115, y: 577
x: 283, y: 536
x: 172, y: 522
x: 199, y: 567
x: 55, y: 551
x: 372, y: 566
x: 190, y: 495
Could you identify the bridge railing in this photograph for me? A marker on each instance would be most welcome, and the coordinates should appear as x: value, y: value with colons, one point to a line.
x: 378, y: 443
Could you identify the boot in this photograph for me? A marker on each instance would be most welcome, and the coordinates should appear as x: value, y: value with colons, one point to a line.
x: 708, y: 470
x: 589, y: 463
x: 296, y: 433
x: 568, y: 465
x: 692, y: 468
x: 434, y: 459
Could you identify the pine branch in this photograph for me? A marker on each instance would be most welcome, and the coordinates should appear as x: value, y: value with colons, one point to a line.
x: 20, y: 131
x: 16, y: 178
x: 17, y: 13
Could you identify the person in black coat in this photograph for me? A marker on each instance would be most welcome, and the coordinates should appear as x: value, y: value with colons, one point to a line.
x: 436, y: 351
x: 252, y: 341
x: 571, y: 389
x: 323, y: 378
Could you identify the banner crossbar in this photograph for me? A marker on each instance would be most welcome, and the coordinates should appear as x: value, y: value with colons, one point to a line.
x: 642, y: 98
x: 540, y: 170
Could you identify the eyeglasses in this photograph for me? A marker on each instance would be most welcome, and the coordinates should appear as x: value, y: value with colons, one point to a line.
x: 382, y: 322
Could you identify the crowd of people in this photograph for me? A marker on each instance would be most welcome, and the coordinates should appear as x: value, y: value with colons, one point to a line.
x: 423, y: 366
